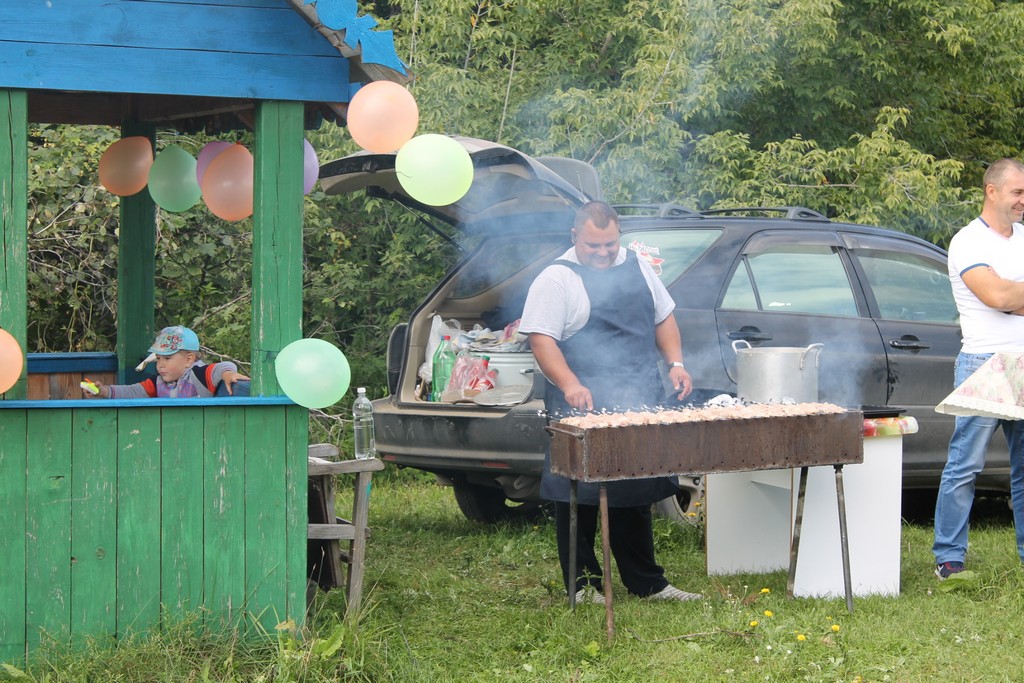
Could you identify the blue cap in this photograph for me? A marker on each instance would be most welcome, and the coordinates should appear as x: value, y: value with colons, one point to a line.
x: 174, y: 339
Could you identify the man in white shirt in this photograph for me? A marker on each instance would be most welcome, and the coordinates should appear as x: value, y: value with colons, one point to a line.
x: 986, y: 271
x: 599, y: 320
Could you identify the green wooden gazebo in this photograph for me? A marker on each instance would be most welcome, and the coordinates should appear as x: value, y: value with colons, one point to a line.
x: 120, y: 516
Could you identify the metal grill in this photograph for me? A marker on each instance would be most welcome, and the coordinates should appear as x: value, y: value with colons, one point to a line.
x: 610, y: 453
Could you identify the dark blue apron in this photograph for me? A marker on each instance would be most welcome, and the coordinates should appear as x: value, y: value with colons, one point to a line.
x: 615, y: 356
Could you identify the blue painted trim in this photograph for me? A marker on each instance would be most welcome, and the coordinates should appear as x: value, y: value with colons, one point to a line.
x: 233, y: 3
x: 249, y: 49
x: 378, y: 47
x: 375, y: 47
x: 72, y: 362
x: 173, y: 72
x: 165, y: 26
x: 149, y: 402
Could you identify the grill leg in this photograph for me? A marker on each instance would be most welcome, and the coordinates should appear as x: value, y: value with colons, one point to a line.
x: 609, y: 614
x: 794, y: 547
x: 844, y: 538
x: 573, y: 540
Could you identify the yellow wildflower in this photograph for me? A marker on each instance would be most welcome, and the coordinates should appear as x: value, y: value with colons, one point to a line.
x: 768, y: 613
x: 753, y: 623
x: 766, y: 590
x: 801, y: 637
x: 835, y: 628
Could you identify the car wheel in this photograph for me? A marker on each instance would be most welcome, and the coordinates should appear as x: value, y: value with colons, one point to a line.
x: 684, y: 507
x: 490, y: 505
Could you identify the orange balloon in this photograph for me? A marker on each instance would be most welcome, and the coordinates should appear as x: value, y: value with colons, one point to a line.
x: 12, y: 360
x: 382, y: 116
x: 227, y: 184
x: 124, y: 167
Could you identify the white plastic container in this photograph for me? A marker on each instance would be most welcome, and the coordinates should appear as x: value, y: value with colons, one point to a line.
x: 513, y: 368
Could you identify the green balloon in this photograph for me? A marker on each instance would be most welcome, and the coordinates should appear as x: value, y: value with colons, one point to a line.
x: 312, y: 372
x: 172, y: 180
x: 434, y: 169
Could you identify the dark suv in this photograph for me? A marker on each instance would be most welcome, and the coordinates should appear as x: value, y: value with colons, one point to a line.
x: 878, y: 300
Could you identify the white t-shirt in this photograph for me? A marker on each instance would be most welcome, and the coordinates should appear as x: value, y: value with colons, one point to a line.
x: 985, y: 329
x: 558, y: 306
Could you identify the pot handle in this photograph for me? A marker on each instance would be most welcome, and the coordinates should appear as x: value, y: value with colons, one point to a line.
x: 817, y: 357
x: 743, y: 341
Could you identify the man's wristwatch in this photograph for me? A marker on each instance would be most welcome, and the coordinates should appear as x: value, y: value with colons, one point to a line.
x: 675, y: 364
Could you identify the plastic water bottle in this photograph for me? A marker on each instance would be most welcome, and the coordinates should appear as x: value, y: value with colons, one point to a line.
x: 362, y: 426
x: 441, y: 368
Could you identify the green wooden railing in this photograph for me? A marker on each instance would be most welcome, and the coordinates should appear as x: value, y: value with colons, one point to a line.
x: 121, y: 515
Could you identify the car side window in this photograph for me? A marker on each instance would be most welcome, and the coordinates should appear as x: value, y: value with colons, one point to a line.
x: 792, y: 279
x: 740, y: 295
x: 908, y: 286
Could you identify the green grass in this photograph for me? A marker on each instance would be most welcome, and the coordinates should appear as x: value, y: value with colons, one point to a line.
x: 449, y: 600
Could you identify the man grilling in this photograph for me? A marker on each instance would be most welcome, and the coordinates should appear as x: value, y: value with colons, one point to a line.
x: 599, y: 319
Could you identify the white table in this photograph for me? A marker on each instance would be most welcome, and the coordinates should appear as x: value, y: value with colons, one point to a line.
x: 750, y: 517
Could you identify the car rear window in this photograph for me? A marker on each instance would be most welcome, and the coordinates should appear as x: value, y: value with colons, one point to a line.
x: 496, y: 260
x: 670, y: 252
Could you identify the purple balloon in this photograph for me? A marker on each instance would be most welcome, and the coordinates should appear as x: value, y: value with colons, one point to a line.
x: 310, y: 167
x: 206, y: 155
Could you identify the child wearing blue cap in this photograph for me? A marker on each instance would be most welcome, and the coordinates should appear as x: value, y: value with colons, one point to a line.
x: 180, y: 371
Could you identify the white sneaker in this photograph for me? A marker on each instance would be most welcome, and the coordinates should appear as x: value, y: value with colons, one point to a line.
x: 670, y: 592
x: 589, y: 594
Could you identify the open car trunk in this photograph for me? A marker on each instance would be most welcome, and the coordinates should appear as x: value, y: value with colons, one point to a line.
x: 518, y: 213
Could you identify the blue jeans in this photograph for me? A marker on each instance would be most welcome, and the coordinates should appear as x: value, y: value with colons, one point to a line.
x: 965, y: 460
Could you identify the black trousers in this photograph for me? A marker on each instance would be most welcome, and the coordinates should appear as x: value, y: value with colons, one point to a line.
x: 632, y: 544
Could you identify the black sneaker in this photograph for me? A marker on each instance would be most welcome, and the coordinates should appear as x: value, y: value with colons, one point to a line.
x: 947, y: 569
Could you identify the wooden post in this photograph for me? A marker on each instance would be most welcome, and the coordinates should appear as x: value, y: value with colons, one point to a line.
x: 277, y: 238
x: 136, y: 272
x: 14, y: 223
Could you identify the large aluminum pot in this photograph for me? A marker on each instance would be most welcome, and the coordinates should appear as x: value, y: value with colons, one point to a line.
x: 774, y: 373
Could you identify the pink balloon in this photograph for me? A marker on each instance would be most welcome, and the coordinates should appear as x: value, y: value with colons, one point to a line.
x: 206, y: 155
x: 382, y: 116
x: 310, y: 167
x: 12, y: 360
x: 228, y: 184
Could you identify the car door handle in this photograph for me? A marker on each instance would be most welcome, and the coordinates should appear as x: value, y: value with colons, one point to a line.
x: 750, y: 334
x: 910, y: 343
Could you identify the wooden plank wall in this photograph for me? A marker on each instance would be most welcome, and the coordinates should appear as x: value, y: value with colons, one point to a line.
x: 123, y: 519
x: 60, y: 386
x: 252, y: 49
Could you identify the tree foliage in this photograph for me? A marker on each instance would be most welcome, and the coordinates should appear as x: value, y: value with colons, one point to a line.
x: 897, y: 104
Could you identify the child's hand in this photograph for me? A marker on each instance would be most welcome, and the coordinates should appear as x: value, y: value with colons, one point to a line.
x: 93, y: 389
x: 230, y: 377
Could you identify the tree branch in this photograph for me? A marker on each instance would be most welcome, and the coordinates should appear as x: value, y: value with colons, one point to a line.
x: 508, y: 91
x: 699, y: 634
x: 639, y: 113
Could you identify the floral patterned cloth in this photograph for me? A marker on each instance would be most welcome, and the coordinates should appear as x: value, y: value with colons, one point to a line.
x: 996, y: 389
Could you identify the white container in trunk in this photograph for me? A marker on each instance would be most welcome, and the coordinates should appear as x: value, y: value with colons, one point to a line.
x: 773, y: 373
x: 513, y: 368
